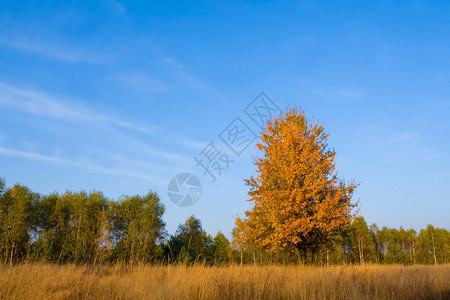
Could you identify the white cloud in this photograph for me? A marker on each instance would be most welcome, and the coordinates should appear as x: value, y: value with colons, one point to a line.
x: 397, y: 139
x: 37, y: 103
x: 138, y: 145
x: 197, y: 145
x: 403, y: 147
x: 50, y: 49
x: 339, y: 93
x: 80, y: 163
x: 179, y: 73
x: 140, y: 82
x: 141, y: 128
x: 115, y: 6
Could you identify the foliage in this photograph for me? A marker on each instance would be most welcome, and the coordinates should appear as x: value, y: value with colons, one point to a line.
x: 137, y: 226
x: 87, y: 228
x: 297, y: 198
x: 361, y: 241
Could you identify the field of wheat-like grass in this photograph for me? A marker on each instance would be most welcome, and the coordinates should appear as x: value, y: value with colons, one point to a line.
x: 45, y: 281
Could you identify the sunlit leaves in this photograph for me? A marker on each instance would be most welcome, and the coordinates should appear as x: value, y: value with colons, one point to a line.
x: 297, y: 198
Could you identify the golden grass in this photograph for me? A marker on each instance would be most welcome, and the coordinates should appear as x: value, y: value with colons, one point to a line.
x: 44, y: 281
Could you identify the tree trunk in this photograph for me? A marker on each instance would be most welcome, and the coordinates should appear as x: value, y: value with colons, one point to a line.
x: 80, y: 220
x: 410, y: 253
x: 28, y: 252
x: 12, y: 255
x: 434, y: 249
x: 361, y: 255
x: 50, y: 249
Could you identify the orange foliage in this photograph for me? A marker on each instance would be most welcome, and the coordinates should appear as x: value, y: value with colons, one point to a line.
x: 298, y: 200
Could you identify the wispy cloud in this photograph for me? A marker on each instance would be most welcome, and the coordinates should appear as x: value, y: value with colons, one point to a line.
x: 140, y: 82
x: 115, y: 6
x: 179, y: 72
x: 191, y: 143
x: 80, y: 163
x: 406, y: 147
x: 143, y: 147
x: 50, y: 49
x: 398, y: 138
x: 338, y: 93
x: 174, y: 74
x: 37, y: 103
x: 141, y: 128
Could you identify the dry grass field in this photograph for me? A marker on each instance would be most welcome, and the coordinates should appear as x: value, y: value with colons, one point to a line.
x: 45, y: 281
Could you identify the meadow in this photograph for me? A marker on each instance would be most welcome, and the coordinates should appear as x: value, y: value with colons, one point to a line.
x: 51, y: 281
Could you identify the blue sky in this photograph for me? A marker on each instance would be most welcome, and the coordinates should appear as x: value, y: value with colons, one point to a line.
x: 120, y: 96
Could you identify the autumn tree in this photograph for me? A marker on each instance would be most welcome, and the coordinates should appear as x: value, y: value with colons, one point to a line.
x: 243, y: 242
x: 297, y: 198
x: 239, y: 239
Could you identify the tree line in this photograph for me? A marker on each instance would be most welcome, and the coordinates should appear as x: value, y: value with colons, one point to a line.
x: 87, y: 228
x: 301, y: 211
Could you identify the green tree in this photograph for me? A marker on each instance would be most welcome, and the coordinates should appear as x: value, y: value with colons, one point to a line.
x: 361, y: 241
x: 191, y: 237
x: 87, y: 210
x: 411, y: 240
x: 17, y: 211
x: 377, y: 242
x: 406, y: 241
x: 2, y: 186
x: 335, y: 248
x: 137, y: 226
x: 47, y: 246
x: 222, y: 249
x: 433, y: 245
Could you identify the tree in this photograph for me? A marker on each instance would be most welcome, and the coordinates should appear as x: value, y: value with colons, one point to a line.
x: 2, y: 186
x: 17, y: 222
x: 434, y: 245
x: 190, y: 239
x: 375, y: 231
x: 222, y: 249
x: 137, y: 226
x: 411, y: 237
x: 361, y: 241
x: 46, y: 246
x: 238, y: 243
x: 336, y: 248
x: 243, y: 242
x: 297, y: 198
